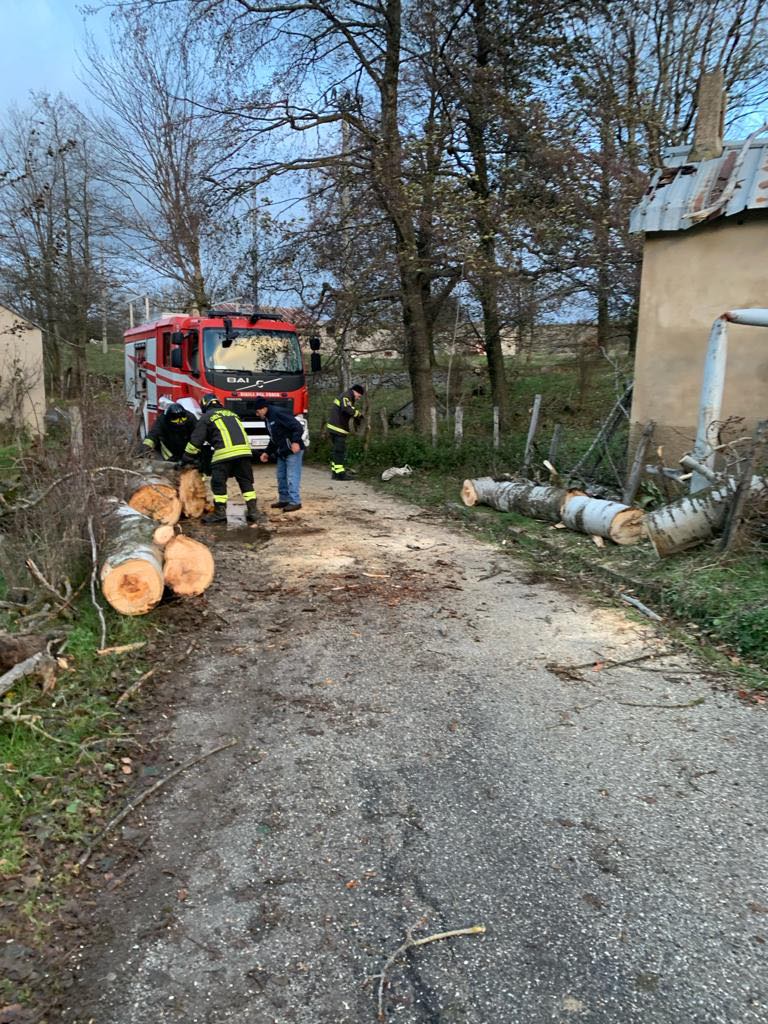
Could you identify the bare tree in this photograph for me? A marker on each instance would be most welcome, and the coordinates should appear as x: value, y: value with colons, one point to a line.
x: 352, y: 49
x: 52, y: 223
x: 166, y: 149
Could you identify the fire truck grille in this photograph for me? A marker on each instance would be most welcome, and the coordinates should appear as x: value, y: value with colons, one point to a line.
x: 246, y: 407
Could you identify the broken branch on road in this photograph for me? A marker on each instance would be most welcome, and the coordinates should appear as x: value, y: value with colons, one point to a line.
x: 411, y: 943
x: 133, y: 804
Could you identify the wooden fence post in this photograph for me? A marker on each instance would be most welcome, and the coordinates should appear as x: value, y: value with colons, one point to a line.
x: 433, y: 419
x: 496, y: 430
x: 531, y: 434
x: 554, y: 444
x: 633, y: 477
x: 458, y: 425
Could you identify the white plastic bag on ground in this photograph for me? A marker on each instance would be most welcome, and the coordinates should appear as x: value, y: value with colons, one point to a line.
x: 396, y: 471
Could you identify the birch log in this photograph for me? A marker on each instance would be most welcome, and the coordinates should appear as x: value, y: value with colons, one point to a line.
x: 693, y: 520
x: 157, y: 497
x: 600, y: 518
x: 132, y: 570
x: 188, y: 569
x: 523, y: 496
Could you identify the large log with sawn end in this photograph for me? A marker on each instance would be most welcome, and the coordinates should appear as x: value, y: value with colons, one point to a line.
x: 189, y: 484
x: 132, y: 570
x: 189, y: 566
x: 600, y: 518
x: 157, y: 497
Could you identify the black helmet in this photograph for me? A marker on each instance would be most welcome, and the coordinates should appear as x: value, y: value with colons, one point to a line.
x: 358, y: 388
x: 176, y: 413
x: 210, y: 402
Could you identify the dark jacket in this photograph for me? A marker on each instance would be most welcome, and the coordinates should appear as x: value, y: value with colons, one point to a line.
x: 222, y: 430
x: 342, y: 412
x: 283, y: 429
x: 169, y: 434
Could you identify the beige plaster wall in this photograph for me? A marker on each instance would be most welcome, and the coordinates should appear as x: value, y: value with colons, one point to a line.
x: 22, y: 387
x: 689, y: 278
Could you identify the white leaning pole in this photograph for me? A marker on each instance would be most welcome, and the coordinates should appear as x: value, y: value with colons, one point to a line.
x: 713, y: 385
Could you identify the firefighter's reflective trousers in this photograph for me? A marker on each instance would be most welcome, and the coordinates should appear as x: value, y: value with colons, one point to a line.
x: 241, y: 469
x: 338, y: 449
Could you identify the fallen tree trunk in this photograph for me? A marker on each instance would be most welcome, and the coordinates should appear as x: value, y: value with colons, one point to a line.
x: 189, y: 567
x: 155, y: 496
x: 132, y: 570
x: 695, y: 519
x: 600, y: 518
x: 529, y: 499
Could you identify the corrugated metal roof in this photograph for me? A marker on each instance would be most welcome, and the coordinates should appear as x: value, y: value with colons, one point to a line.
x: 684, y: 194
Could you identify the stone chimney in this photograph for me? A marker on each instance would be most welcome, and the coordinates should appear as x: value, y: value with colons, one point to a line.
x: 710, y: 117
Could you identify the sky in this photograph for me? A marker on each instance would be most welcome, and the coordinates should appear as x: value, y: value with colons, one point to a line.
x: 41, y: 39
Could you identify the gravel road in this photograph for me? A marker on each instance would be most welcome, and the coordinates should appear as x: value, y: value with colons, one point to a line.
x: 406, y: 759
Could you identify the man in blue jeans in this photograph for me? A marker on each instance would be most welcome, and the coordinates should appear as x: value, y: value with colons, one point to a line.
x: 286, y: 447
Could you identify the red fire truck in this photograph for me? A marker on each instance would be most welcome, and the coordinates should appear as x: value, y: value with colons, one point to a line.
x: 235, y: 355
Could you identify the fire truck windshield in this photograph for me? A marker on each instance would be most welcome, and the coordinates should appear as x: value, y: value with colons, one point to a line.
x: 252, y: 351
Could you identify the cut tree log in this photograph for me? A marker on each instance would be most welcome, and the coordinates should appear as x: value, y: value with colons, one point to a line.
x: 189, y: 484
x: 194, y: 499
x: 189, y: 566
x: 529, y: 499
x: 693, y: 520
x: 595, y: 516
x: 163, y: 534
x: 132, y: 570
x: 156, y: 496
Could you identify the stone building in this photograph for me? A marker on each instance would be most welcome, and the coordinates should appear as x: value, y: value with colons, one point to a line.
x: 22, y: 384
x: 705, y: 221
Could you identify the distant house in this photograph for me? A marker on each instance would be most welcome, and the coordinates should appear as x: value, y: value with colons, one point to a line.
x: 22, y: 385
x: 705, y: 221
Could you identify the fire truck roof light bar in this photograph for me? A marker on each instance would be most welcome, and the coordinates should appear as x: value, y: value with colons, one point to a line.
x: 259, y: 314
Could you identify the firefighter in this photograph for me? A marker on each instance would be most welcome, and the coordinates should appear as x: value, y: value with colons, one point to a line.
x: 170, y: 433
x: 343, y: 412
x: 222, y: 430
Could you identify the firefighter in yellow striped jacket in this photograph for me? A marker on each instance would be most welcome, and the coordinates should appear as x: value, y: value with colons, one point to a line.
x: 170, y: 433
x: 224, y: 433
x: 343, y: 412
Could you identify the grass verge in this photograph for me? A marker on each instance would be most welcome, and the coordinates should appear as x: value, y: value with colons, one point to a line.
x: 65, y: 756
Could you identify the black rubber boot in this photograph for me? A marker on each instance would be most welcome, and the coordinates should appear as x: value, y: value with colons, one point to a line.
x: 219, y: 515
x: 252, y: 513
